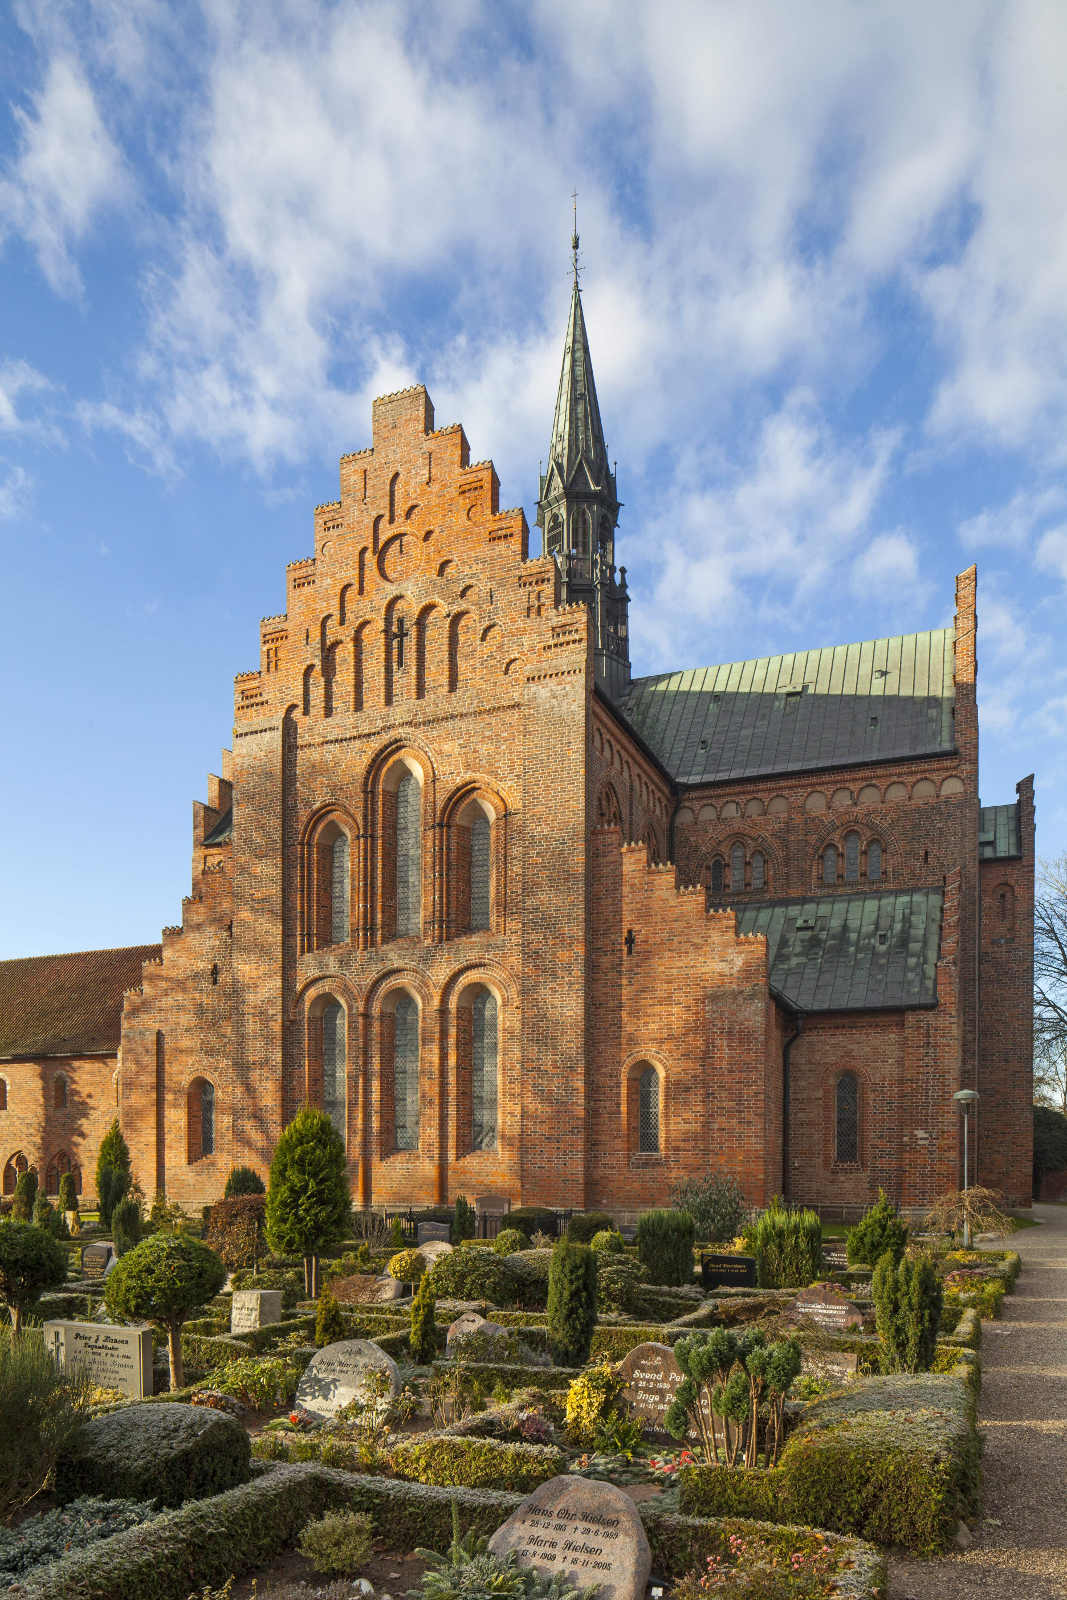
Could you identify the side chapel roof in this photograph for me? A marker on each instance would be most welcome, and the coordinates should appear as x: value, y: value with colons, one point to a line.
x: 70, y: 1004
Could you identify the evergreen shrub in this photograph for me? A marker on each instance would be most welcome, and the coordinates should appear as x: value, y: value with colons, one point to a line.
x: 607, y: 1241
x: 715, y: 1203
x: 907, y: 1305
x: 665, y: 1245
x: 126, y: 1224
x: 31, y: 1261
x: 407, y: 1266
x: 330, y: 1321
x: 42, y: 1539
x: 338, y: 1542
x: 584, y: 1224
x: 162, y: 1280
x: 47, y: 1217
x: 533, y: 1219
x: 114, y: 1174
x: 618, y: 1280
x: 166, y: 1453
x: 68, y: 1194
x: 572, y: 1290
x: 423, y: 1340
x: 464, y: 1222
x: 25, y: 1196
x: 243, y: 1180
x: 447, y: 1459
x: 308, y: 1206
x: 787, y: 1246
x: 475, y: 1275
x: 509, y: 1241
x: 880, y: 1229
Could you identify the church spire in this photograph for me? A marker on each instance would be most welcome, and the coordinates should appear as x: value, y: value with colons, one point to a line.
x: 578, y: 508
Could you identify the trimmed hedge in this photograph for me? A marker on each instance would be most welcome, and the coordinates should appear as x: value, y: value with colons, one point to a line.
x: 615, y: 1343
x: 473, y: 1463
x: 169, y: 1456
x: 515, y: 1375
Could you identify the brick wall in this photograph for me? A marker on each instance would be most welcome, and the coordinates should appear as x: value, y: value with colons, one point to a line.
x: 66, y: 1128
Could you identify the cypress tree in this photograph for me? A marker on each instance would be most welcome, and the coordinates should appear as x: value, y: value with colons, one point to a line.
x: 307, y: 1196
x: 571, y: 1303
x: 114, y: 1173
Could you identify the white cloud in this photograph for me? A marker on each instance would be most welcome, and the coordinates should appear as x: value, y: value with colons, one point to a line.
x: 888, y: 565
x: 1051, y: 553
x: 18, y: 378
x: 67, y: 171
x: 146, y: 446
x: 1011, y: 525
x: 16, y: 486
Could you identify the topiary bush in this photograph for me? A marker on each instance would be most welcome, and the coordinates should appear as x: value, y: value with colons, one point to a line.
x: 787, y: 1246
x: 509, y: 1241
x: 167, y: 1453
x: 126, y: 1224
x: 584, y: 1224
x: 907, y: 1303
x: 618, y: 1280
x: 880, y: 1229
x: 572, y: 1291
x: 715, y: 1203
x: 472, y: 1463
x: 25, y: 1196
x: 607, y: 1242
x: 423, y: 1340
x: 407, y: 1266
x: 338, y: 1542
x: 31, y: 1261
x: 243, y: 1180
x: 474, y: 1275
x: 665, y: 1245
x: 162, y: 1280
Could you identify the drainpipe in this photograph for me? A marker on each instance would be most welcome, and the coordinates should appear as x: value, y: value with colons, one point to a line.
x: 798, y: 1018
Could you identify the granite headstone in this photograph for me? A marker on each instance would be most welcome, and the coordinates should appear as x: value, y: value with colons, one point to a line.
x: 340, y: 1373
x: 727, y: 1271
x: 254, y: 1308
x: 433, y: 1232
x: 588, y: 1531
x: 97, y: 1257
x: 827, y: 1307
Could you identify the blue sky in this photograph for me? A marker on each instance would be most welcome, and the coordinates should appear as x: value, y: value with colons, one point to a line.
x: 825, y: 277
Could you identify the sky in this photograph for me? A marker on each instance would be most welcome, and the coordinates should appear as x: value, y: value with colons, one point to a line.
x: 824, y: 268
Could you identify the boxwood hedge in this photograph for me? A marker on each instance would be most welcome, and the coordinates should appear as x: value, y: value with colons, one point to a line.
x: 167, y: 1454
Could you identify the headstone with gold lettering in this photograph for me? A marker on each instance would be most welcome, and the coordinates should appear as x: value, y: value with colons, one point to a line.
x: 586, y: 1530
x: 829, y: 1309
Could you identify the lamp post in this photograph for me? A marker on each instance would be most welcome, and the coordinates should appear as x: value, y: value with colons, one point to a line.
x: 965, y: 1099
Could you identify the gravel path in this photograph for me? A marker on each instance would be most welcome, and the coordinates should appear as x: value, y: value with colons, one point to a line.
x: 1020, y: 1549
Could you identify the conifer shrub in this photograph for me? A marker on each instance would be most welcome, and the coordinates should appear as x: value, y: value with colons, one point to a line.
x: 423, y: 1341
x: 607, y: 1242
x: 509, y: 1241
x: 308, y: 1205
x: 715, y: 1203
x: 243, y: 1180
x: 47, y: 1217
x: 907, y: 1303
x: 787, y: 1246
x: 463, y: 1220
x: 618, y: 1282
x: 584, y: 1224
x: 881, y: 1228
x: 665, y: 1245
x: 126, y: 1224
x: 114, y: 1174
x: 571, y: 1303
x: 68, y: 1194
x: 330, y: 1321
x: 25, y: 1196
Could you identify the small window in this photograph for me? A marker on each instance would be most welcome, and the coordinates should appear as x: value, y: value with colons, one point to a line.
x: 648, y: 1112
x: 3, y: 1094
x: 852, y: 857
x: 408, y: 856
x: 847, y: 1122
x: 874, y: 861
x: 829, y: 864
x: 13, y: 1170
x: 759, y: 870
x: 200, y: 1119
x: 718, y: 875
x: 737, y: 867
x: 59, y: 1092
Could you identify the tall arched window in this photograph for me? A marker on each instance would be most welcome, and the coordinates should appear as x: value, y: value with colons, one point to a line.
x: 484, y: 1043
x: 718, y: 875
x: 406, y: 1073
x: 59, y: 1164
x: 852, y: 857
x: 200, y: 1119
x: 3, y: 1094
x: 13, y: 1170
x: 334, y: 1065
x: 737, y: 866
x: 829, y: 864
x: 874, y: 860
x: 648, y: 1111
x: 408, y: 857
x: 481, y: 839
x: 847, y: 1119
x: 339, y: 890
x: 759, y: 870
x: 59, y: 1092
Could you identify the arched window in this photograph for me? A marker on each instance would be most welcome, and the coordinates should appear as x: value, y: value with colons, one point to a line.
x: 200, y: 1119
x: 3, y: 1094
x: 334, y: 1063
x: 718, y: 875
x: 874, y: 860
x: 406, y: 1073
x: 339, y: 890
x: 847, y: 1119
x: 59, y: 1164
x: 737, y: 866
x: 481, y: 897
x: 13, y: 1170
x: 59, y: 1092
x: 759, y: 870
x: 852, y: 857
x: 408, y: 857
x: 484, y: 1043
x: 829, y: 864
x: 607, y: 808
x: 648, y: 1111
x: 555, y: 534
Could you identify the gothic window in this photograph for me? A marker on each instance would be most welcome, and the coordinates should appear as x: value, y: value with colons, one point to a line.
x: 607, y: 808
x: 408, y: 857
x: 484, y: 1046
x: 3, y: 1094
x: 480, y: 893
x: 581, y: 532
x: 759, y: 870
x: 737, y: 866
x: 718, y: 875
x: 200, y: 1119
x: 339, y: 890
x: 874, y: 860
x: 852, y: 857
x: 59, y: 1092
x: 847, y: 1119
x: 648, y: 1111
x: 59, y: 1164
x: 555, y: 534
x: 15, y: 1167
x: 334, y: 1074
x: 829, y: 864
x: 406, y: 1073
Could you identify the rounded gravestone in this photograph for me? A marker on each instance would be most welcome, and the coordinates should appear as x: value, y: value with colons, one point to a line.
x: 343, y: 1372
x: 651, y: 1375
x: 470, y: 1323
x: 433, y: 1250
x: 586, y: 1530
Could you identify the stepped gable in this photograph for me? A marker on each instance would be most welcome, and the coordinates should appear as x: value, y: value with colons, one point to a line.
x: 845, y: 704
x: 67, y: 1005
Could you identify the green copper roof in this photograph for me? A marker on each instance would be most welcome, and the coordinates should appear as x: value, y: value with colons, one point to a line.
x: 818, y: 708
x: 998, y: 832
x: 222, y: 832
x: 577, y: 432
x: 854, y: 952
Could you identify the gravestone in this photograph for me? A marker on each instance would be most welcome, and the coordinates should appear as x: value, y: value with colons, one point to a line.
x: 727, y: 1271
x: 587, y: 1530
x: 827, y: 1307
x: 363, y: 1289
x: 835, y: 1257
x: 470, y: 1322
x: 339, y: 1373
x: 115, y: 1357
x: 254, y: 1308
x: 432, y: 1251
x: 651, y: 1376
x: 491, y: 1205
x: 97, y: 1258
x: 433, y: 1232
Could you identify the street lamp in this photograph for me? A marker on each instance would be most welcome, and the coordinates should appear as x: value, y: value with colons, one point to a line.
x: 966, y: 1098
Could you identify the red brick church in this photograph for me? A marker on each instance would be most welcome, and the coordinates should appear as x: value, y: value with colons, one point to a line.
x: 523, y: 923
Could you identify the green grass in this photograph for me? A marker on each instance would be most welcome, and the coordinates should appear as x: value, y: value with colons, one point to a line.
x: 1027, y: 1222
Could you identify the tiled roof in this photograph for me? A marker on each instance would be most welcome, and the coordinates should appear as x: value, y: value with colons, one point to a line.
x: 67, y: 1005
x: 818, y: 708
x: 998, y: 832
x: 222, y: 832
x: 851, y: 952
